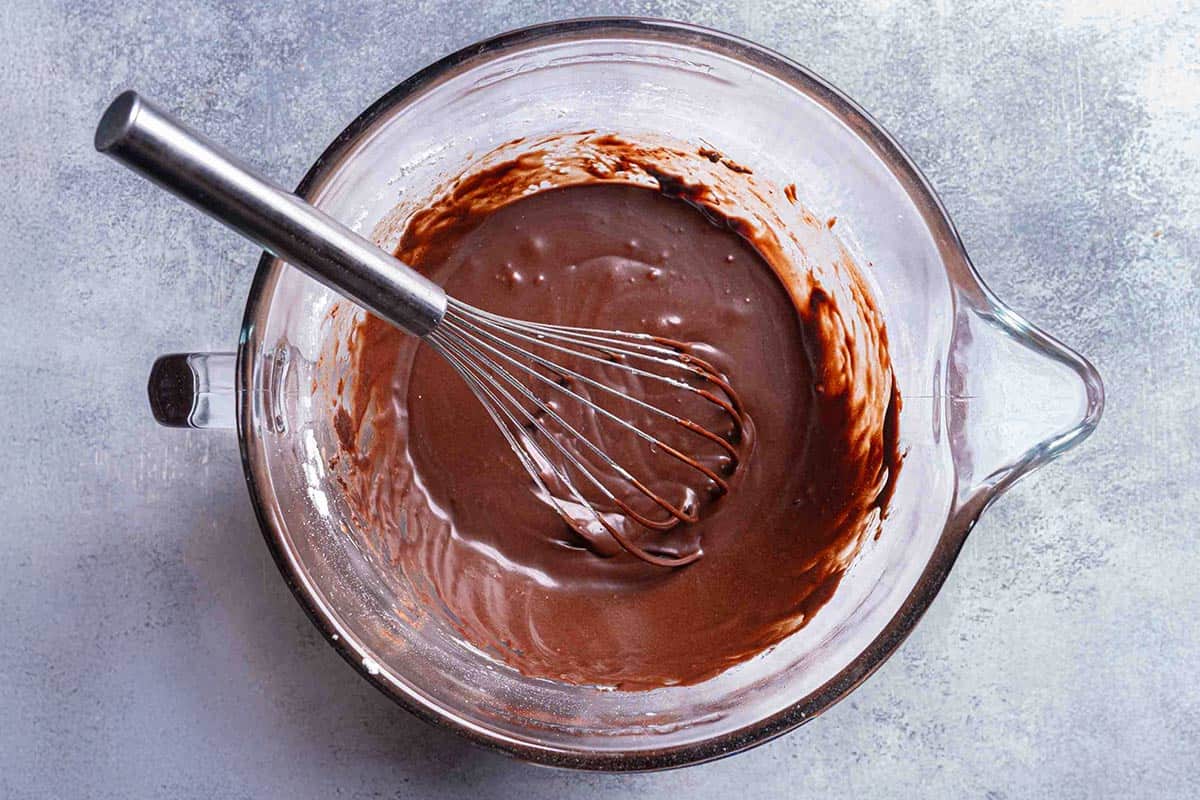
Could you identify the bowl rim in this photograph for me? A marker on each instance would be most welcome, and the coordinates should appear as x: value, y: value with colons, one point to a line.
x: 960, y: 272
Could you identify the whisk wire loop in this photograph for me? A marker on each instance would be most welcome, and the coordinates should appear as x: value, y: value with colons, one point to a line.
x: 495, y: 355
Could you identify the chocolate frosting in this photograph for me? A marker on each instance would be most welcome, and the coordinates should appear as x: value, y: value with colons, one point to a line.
x: 601, y: 231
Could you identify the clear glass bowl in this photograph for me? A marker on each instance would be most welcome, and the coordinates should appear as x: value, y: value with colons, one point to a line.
x: 987, y: 397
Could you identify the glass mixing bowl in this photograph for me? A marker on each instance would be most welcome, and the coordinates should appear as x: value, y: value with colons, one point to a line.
x: 987, y: 397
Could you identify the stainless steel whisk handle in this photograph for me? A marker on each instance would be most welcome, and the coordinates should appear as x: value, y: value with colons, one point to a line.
x: 152, y: 143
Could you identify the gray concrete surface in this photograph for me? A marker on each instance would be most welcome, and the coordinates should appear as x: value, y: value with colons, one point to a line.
x: 150, y: 648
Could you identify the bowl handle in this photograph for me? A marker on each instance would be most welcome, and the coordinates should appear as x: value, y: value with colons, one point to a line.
x: 1018, y: 398
x: 194, y: 390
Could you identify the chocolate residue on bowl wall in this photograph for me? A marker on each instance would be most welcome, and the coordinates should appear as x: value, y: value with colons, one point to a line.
x: 604, y: 231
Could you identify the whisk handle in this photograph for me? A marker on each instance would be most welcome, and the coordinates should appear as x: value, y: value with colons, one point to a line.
x: 152, y: 143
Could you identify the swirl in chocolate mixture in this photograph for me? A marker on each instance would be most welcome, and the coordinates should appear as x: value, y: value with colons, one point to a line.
x: 602, y: 232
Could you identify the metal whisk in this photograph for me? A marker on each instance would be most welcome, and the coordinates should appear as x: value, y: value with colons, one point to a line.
x: 560, y: 395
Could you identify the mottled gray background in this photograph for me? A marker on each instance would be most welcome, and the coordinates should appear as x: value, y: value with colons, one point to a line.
x: 150, y: 647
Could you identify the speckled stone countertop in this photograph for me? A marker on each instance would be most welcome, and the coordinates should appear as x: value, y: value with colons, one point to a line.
x: 150, y: 645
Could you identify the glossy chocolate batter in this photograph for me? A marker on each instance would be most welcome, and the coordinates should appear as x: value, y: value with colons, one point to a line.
x: 431, y: 480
